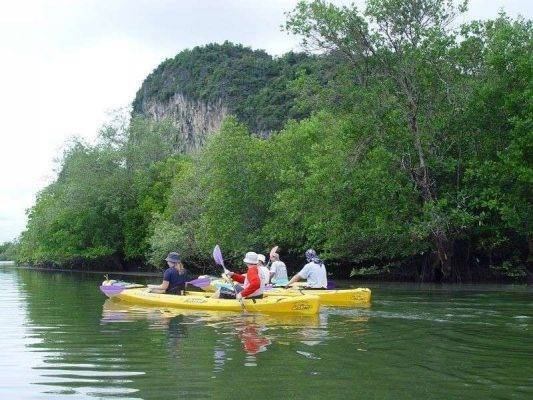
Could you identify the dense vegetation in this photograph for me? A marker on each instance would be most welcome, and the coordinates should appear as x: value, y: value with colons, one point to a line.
x: 8, y: 251
x: 415, y: 160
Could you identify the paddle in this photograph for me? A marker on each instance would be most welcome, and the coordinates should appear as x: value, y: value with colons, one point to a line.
x: 217, y: 256
x: 199, y: 282
x: 119, y: 287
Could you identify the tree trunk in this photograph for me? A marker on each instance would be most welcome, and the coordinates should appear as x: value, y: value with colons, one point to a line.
x: 444, y: 254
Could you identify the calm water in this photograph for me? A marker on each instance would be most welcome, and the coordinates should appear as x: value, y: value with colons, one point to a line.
x: 60, y: 338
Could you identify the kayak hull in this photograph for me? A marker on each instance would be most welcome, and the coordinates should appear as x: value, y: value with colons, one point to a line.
x: 329, y: 297
x: 336, y: 298
x: 296, y: 305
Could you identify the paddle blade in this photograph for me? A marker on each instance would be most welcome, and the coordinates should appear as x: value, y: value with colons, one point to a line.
x: 200, y: 282
x: 111, y: 290
x: 217, y: 256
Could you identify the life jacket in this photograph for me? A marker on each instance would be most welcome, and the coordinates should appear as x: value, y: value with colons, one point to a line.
x: 252, y: 269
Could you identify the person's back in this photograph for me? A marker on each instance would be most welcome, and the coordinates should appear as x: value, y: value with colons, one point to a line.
x: 315, y: 274
x: 176, y: 279
x: 278, y: 273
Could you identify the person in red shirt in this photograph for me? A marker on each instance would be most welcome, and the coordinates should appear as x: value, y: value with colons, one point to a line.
x: 253, y: 287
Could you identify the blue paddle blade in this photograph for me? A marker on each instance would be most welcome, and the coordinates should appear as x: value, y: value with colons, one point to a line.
x: 217, y: 256
x: 200, y: 282
x: 112, y: 290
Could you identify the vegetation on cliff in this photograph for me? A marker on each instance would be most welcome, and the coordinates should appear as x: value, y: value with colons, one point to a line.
x: 251, y: 83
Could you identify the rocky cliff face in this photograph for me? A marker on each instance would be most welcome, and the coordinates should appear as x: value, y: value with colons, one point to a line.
x: 198, y: 88
x: 195, y: 120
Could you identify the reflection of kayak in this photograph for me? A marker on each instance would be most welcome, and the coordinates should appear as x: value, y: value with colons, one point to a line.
x: 299, y: 305
x: 115, y: 310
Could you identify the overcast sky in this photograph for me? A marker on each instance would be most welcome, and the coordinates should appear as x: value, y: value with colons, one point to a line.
x: 66, y: 64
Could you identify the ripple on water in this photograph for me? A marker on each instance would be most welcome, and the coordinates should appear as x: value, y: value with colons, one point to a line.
x: 62, y: 340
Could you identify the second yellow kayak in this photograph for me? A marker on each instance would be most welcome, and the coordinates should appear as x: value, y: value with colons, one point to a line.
x: 337, y: 298
x: 329, y: 297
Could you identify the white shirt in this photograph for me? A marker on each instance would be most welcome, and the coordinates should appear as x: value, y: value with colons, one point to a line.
x: 315, y: 275
x: 264, y: 275
x: 280, y: 271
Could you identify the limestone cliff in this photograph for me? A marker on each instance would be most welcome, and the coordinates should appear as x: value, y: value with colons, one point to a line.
x: 198, y: 88
x: 194, y: 119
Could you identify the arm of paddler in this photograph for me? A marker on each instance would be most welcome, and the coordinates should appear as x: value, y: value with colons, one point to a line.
x: 236, y: 277
x: 159, y: 288
x: 295, y: 278
x: 253, y: 282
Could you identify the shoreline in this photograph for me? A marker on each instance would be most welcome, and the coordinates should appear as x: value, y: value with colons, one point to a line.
x: 445, y: 286
x: 129, y: 273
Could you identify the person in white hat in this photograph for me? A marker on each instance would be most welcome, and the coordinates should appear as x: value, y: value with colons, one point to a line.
x: 253, y: 289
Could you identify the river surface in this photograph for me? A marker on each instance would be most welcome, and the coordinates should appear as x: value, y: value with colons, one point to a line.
x: 61, y: 339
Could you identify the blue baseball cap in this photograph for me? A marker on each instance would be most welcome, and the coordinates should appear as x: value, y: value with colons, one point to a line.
x: 173, y: 257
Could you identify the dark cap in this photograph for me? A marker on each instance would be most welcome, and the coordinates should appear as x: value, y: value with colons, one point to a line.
x: 173, y: 257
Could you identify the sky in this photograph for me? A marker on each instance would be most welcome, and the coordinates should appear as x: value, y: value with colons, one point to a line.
x: 67, y: 64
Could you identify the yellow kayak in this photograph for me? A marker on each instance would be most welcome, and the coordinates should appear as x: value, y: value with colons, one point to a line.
x: 296, y: 305
x: 335, y: 297
x: 329, y: 297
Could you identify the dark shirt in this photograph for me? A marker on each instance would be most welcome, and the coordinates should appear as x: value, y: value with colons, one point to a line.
x: 176, y: 281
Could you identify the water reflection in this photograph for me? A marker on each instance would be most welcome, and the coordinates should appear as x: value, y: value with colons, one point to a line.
x: 60, y: 340
x: 255, y: 331
x: 253, y: 341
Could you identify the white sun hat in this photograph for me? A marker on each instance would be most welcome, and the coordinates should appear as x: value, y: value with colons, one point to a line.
x: 250, y: 258
x: 261, y: 257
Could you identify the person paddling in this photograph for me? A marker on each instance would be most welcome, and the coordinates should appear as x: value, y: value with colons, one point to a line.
x: 174, y: 277
x: 253, y: 287
x: 314, y: 271
x: 278, y: 271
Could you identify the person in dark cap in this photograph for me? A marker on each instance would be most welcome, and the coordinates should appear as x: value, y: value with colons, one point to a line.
x: 314, y: 271
x: 174, y: 277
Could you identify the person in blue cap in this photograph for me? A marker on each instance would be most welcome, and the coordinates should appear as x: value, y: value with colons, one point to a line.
x: 174, y: 277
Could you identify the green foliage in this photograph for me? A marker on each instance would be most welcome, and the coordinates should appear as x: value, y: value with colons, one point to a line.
x: 151, y: 189
x: 104, y: 196
x: 235, y: 207
x: 405, y: 141
x: 338, y: 193
x: 255, y: 86
x: 80, y: 214
x: 8, y: 251
x: 445, y: 105
x: 179, y: 225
